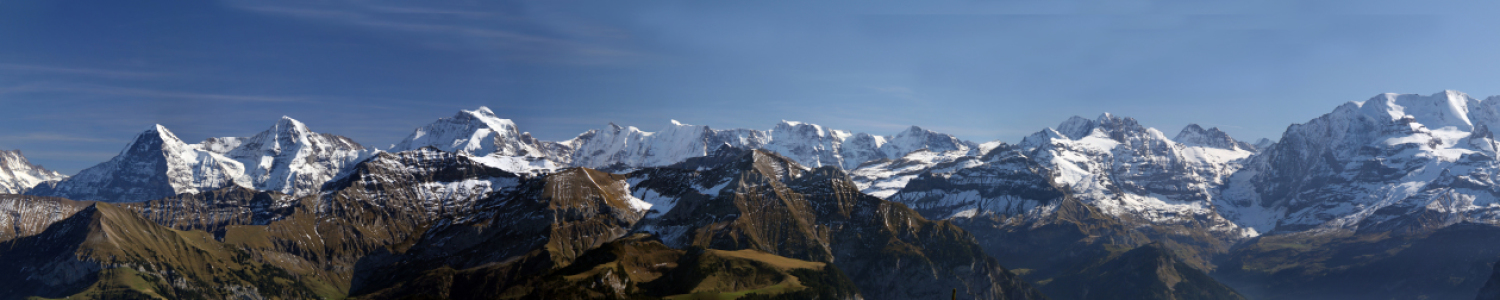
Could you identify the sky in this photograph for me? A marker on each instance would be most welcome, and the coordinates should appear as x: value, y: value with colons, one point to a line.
x: 79, y: 79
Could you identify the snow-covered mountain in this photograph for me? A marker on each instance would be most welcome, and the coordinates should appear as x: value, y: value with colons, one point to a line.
x: 286, y: 158
x: 156, y: 165
x: 1110, y: 162
x: 289, y: 158
x: 480, y: 133
x: 629, y: 147
x: 1124, y: 168
x: 1395, y: 162
x: 17, y: 175
x: 495, y: 141
x: 1085, y: 182
x: 808, y: 144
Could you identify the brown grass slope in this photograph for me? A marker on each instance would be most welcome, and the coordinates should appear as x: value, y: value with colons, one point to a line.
x: 107, y: 252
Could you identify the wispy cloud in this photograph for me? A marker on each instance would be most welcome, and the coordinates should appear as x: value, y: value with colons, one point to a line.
x: 56, y: 137
x: 899, y: 92
x: 149, y: 93
x: 89, y: 155
x: 430, y: 11
x: 79, y: 71
x: 582, y: 47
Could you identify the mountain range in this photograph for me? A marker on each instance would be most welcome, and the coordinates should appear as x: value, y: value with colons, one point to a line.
x: 1356, y: 203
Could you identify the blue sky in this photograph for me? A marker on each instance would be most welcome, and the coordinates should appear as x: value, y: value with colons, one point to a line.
x: 78, y: 79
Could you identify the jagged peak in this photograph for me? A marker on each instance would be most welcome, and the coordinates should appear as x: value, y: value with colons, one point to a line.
x: 1105, y: 116
x: 1076, y: 127
x: 1195, y: 135
x: 790, y: 127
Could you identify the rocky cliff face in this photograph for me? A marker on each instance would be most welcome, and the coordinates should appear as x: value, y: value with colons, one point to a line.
x: 762, y: 201
x: 22, y: 216
x: 546, y: 224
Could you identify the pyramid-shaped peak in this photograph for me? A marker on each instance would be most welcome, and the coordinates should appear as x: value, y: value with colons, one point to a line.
x: 157, y: 132
x: 288, y: 124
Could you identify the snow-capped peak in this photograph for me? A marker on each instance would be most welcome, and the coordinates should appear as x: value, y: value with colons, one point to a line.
x: 474, y: 132
x: 1436, y: 111
x: 485, y: 115
x: 155, y: 165
x: 915, y: 138
x: 290, y: 125
x: 292, y: 159
x: 17, y: 175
